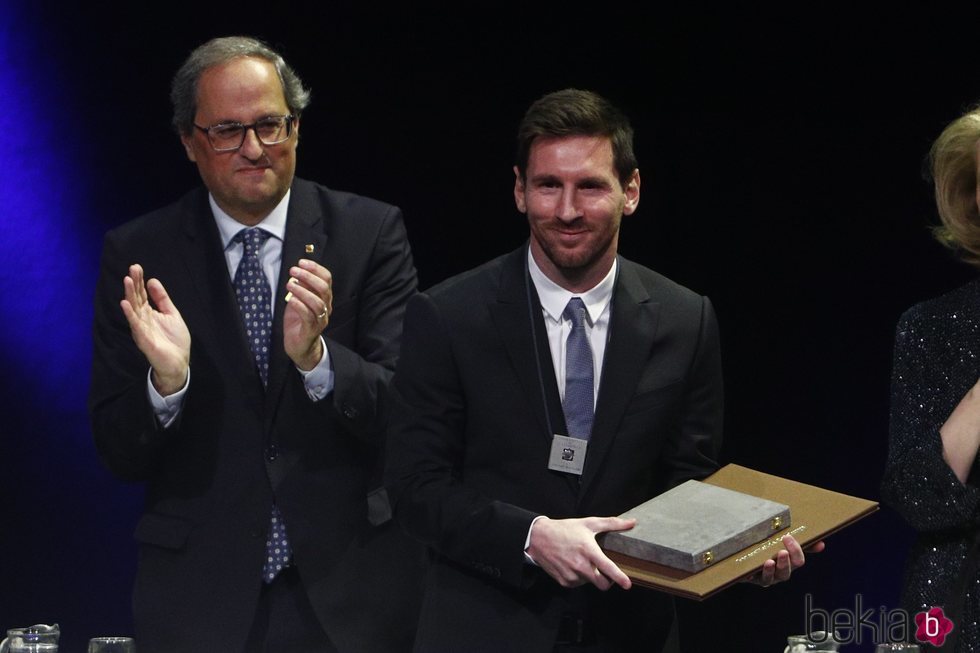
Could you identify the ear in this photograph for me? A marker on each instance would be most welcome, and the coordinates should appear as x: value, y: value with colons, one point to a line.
x: 632, y: 193
x: 187, y: 140
x: 519, y: 191
x: 296, y: 131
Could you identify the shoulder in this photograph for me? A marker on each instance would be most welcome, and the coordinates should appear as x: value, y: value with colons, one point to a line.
x: 337, y: 204
x: 942, y: 329
x: 163, y: 223
x: 958, y: 308
x: 482, y: 281
x: 639, y: 280
x: 465, y: 300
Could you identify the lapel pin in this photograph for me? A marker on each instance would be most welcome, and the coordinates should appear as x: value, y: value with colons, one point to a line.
x: 309, y: 248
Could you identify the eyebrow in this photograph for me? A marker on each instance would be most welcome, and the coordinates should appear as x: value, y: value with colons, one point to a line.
x: 585, y: 181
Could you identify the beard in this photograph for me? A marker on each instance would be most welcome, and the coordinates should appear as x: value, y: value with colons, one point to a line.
x: 581, y: 260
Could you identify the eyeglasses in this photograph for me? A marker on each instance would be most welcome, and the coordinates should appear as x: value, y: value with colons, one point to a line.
x: 229, y: 136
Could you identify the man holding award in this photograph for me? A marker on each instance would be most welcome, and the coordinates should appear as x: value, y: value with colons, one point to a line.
x: 551, y: 385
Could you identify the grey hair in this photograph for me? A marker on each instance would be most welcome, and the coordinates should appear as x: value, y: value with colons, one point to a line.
x: 183, y: 89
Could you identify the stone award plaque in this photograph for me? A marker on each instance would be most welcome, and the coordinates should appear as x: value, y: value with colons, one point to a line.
x: 696, y: 524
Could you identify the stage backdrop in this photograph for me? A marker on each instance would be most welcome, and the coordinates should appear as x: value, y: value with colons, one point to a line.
x: 781, y: 175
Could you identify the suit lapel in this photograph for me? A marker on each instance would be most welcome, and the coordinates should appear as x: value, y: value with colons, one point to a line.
x: 632, y: 328
x: 303, y: 227
x: 511, y: 318
x: 218, y: 313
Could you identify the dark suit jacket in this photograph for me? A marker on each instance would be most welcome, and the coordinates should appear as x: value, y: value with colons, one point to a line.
x: 211, y: 478
x: 468, y: 449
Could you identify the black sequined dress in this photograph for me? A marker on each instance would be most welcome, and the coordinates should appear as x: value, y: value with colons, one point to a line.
x: 937, y: 360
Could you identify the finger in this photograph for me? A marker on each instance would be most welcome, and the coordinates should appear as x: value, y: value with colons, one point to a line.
x: 606, y: 524
x: 131, y: 317
x: 160, y: 297
x: 308, y: 303
x: 794, y: 552
x: 766, y: 573
x: 599, y: 580
x: 130, y: 292
x: 318, y: 280
x: 136, y: 274
x: 783, y: 568
x: 609, y: 570
x: 315, y: 269
x: 317, y: 277
x: 818, y: 547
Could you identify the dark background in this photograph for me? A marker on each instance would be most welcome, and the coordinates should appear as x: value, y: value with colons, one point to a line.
x: 781, y: 156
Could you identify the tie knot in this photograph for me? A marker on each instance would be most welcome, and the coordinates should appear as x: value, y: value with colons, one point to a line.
x: 252, y: 238
x: 575, y: 311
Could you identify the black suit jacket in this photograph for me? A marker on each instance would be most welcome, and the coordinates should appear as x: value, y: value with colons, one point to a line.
x: 469, y: 444
x: 211, y: 477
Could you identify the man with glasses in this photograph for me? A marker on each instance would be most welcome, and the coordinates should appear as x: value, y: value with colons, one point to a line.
x: 244, y: 339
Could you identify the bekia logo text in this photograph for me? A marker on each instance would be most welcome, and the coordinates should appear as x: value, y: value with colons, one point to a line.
x: 847, y: 626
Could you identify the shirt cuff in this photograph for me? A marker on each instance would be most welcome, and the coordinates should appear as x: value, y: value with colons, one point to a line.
x: 527, y: 541
x: 319, y: 381
x: 166, y: 408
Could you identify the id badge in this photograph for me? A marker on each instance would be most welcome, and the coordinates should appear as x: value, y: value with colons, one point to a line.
x: 567, y: 455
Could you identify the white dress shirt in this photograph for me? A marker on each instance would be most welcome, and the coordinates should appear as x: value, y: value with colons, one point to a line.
x: 597, y: 302
x: 318, y: 381
x: 554, y: 299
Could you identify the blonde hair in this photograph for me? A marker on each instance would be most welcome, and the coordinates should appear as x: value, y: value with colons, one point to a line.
x: 953, y: 162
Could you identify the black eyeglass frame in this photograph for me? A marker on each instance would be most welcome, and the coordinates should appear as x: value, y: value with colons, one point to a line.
x: 290, y: 121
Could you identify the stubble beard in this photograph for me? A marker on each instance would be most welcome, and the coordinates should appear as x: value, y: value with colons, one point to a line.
x: 577, y: 265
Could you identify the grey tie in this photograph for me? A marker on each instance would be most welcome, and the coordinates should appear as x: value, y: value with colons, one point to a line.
x: 579, y: 401
x: 255, y: 303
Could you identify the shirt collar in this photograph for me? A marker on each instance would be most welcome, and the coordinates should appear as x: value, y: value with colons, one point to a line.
x: 274, y: 223
x: 554, y: 298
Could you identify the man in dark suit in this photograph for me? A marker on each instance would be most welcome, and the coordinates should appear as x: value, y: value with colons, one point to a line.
x: 245, y: 383
x: 513, y: 373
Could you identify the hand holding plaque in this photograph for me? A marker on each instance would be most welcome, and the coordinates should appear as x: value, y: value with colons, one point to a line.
x: 567, y: 550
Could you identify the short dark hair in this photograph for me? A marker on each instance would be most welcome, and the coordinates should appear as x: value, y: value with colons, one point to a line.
x: 574, y: 112
x: 183, y: 89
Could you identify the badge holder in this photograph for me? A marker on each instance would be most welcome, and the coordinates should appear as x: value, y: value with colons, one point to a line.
x: 567, y: 455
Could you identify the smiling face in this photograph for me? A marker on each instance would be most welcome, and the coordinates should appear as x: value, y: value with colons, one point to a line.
x: 250, y: 181
x: 574, y: 204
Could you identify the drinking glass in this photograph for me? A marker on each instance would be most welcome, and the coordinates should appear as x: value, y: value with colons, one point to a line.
x: 817, y: 641
x: 33, y: 647
x: 39, y: 638
x: 111, y: 645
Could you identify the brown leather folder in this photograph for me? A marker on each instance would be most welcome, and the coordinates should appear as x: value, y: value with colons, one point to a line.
x: 816, y: 513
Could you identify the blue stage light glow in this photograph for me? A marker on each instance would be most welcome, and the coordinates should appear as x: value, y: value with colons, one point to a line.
x: 47, y: 266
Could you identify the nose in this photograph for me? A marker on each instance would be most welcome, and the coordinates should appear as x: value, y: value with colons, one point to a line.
x: 251, y: 147
x: 566, y: 210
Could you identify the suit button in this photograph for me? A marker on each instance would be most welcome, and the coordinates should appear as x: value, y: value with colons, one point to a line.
x: 349, y: 411
x: 271, y: 452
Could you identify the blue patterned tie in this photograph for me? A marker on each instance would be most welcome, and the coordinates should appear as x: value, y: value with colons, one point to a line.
x: 255, y: 302
x: 254, y: 298
x: 579, y: 374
